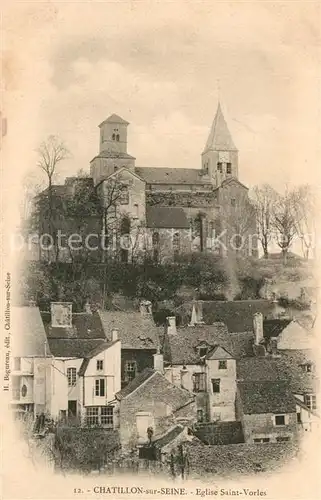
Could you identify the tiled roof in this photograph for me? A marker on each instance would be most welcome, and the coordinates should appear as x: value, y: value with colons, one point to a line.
x: 135, y: 330
x: 97, y: 350
x: 236, y: 314
x: 166, y: 217
x: 158, y: 388
x: 170, y: 435
x: 161, y: 175
x: 135, y: 383
x: 114, y: 119
x: 181, y: 348
x: 273, y: 327
x: 72, y: 348
x: 114, y: 154
x: 28, y: 332
x: 84, y: 326
x: 266, y: 397
x: 220, y: 138
x: 287, y: 367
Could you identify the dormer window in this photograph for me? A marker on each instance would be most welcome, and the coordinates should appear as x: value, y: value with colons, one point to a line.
x: 203, y: 351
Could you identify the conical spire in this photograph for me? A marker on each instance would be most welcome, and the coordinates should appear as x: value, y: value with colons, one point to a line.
x: 220, y: 138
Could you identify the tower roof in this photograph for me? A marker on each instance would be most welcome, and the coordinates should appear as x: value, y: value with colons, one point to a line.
x: 220, y: 138
x: 114, y: 119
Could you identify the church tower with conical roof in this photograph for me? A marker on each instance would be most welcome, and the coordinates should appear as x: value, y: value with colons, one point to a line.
x: 220, y: 155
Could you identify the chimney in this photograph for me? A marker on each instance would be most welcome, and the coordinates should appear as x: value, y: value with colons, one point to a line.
x: 87, y: 308
x: 171, y: 326
x: 61, y: 314
x: 258, y: 328
x: 145, y: 308
x: 158, y: 361
x: 114, y: 335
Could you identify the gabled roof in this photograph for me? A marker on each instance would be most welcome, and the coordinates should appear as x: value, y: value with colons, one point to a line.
x: 84, y: 326
x: 161, y: 175
x: 114, y: 154
x: 135, y: 383
x: 136, y: 331
x: 181, y: 349
x: 166, y: 217
x: 114, y: 119
x: 295, y: 336
x: 273, y: 327
x: 233, y: 180
x: 220, y: 138
x: 28, y: 332
x: 266, y: 397
x: 157, y: 388
x: 219, y: 353
x: 94, y: 352
x: 236, y: 314
x: 85, y: 334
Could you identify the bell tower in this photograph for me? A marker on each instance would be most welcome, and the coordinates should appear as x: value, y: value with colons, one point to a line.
x: 113, y: 135
x: 220, y: 155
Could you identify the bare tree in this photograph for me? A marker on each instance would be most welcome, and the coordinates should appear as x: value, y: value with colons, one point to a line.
x: 284, y: 222
x: 239, y: 219
x: 304, y: 205
x: 32, y: 185
x: 263, y: 199
x: 51, y: 152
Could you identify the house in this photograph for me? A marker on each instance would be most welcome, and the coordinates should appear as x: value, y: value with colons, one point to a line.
x: 151, y: 401
x: 89, y: 364
x: 179, y: 209
x: 30, y: 371
x: 267, y: 411
x: 138, y: 335
x: 202, y: 359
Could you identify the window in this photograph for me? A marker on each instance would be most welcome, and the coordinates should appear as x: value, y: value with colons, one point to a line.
x: 100, y: 415
x: 71, y: 376
x: 202, y: 351
x: 113, y: 137
x: 199, y: 382
x: 17, y: 364
x: 216, y: 382
x: 130, y: 370
x: 100, y: 387
x: 176, y: 245
x: 307, y: 367
x: 220, y: 166
x: 282, y: 439
x: 311, y: 401
x: 200, y: 415
x: 124, y: 195
x: 24, y: 391
x: 279, y: 419
x: 92, y: 415
x: 100, y: 364
x: 298, y: 418
x: 222, y: 364
x: 233, y: 202
x: 107, y: 416
x: 229, y: 168
x: 261, y: 440
x: 117, y: 137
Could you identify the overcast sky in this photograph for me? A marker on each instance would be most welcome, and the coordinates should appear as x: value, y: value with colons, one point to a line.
x: 157, y: 64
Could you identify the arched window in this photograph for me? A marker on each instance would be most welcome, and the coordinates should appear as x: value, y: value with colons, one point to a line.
x: 117, y: 137
x: 113, y: 137
x: 155, y: 240
x: 176, y: 245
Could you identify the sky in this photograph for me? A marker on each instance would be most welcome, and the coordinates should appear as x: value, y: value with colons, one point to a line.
x: 162, y: 66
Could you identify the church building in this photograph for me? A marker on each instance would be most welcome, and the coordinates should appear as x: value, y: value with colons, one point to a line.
x: 167, y: 212
x: 182, y: 209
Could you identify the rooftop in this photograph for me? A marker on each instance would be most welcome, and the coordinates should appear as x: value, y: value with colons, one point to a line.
x: 166, y: 217
x: 136, y: 331
x: 219, y: 138
x: 29, y: 336
x: 266, y: 397
x: 162, y: 175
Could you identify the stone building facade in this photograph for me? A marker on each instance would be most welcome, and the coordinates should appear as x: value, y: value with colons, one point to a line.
x: 165, y: 212
x: 181, y: 210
